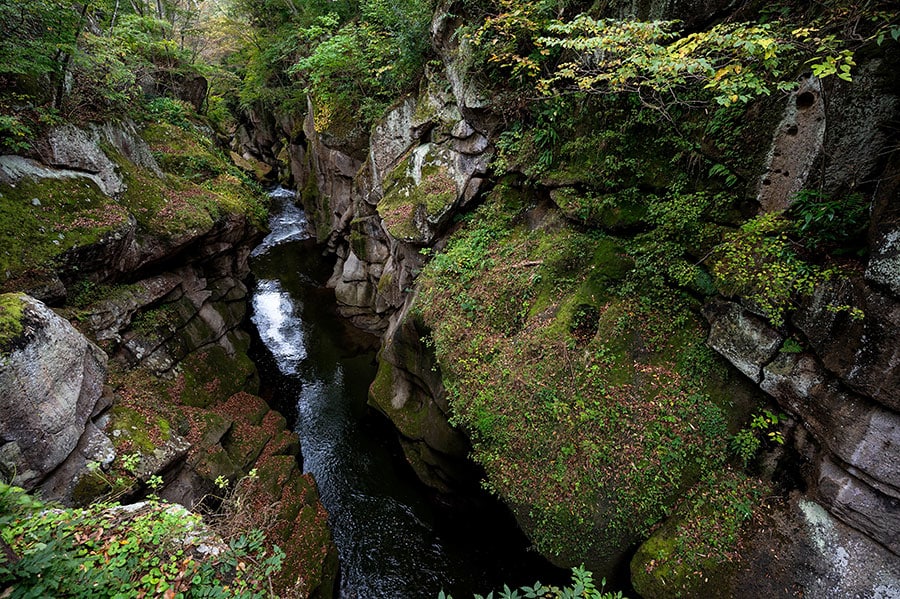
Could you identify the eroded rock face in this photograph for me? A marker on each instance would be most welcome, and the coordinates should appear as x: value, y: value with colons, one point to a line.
x: 802, y: 549
x: 862, y: 350
x: 798, y: 141
x: 409, y: 391
x: 51, y: 382
x: 77, y: 151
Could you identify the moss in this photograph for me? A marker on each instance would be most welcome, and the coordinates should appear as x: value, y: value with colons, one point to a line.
x: 11, y: 313
x: 90, y: 487
x: 695, y: 552
x: 407, y: 206
x: 134, y: 427
x: 410, y: 419
x: 199, y: 187
x: 211, y: 374
x: 588, y: 373
x: 42, y: 219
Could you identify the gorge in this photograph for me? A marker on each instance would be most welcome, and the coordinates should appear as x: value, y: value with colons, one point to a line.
x: 652, y: 309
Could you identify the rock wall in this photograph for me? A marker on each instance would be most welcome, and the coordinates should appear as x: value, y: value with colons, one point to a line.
x: 52, y: 379
x: 840, y: 389
x: 383, y: 211
x: 152, y: 387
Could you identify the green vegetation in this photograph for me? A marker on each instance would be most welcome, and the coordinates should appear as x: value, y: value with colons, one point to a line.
x: 694, y: 552
x: 582, y: 587
x: 11, y: 312
x: 40, y: 220
x: 571, y: 384
x: 113, y: 551
x: 68, y: 61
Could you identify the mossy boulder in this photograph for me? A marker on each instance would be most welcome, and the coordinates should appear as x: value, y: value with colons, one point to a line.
x: 592, y: 410
x: 419, y: 194
x: 212, y: 373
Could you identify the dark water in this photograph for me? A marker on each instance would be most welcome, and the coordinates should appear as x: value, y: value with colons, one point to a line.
x: 395, y: 538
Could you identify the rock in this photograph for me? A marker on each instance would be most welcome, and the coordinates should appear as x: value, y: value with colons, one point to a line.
x: 391, y: 137
x: 743, y: 338
x: 109, y: 317
x: 798, y: 141
x: 864, y: 353
x: 64, y: 484
x: 860, y: 505
x: 51, y: 379
x: 123, y: 136
x: 800, y: 550
x: 862, y: 434
x: 409, y: 391
x: 884, y: 264
x: 14, y: 168
x: 857, y: 114
x: 76, y: 149
x: 858, y: 445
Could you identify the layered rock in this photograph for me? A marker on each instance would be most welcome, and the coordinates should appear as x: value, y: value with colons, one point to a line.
x: 161, y: 289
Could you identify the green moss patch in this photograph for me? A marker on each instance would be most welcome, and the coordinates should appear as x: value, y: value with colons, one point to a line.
x: 571, y: 387
x: 696, y: 551
x: 42, y: 219
x: 408, y: 206
x: 11, y: 312
x: 211, y: 374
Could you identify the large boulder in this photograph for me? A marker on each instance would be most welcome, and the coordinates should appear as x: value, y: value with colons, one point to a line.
x: 51, y: 379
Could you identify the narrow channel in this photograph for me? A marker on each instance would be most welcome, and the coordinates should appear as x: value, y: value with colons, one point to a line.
x: 394, y: 539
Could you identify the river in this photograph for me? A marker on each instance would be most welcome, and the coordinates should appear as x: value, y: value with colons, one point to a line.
x: 396, y: 539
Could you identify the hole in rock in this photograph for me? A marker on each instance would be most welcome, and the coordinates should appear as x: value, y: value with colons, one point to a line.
x: 805, y: 100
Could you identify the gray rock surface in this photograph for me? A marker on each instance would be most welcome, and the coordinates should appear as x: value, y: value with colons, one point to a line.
x: 51, y: 382
x: 743, y: 338
x: 801, y: 550
x: 884, y: 264
x: 858, y: 445
x: 798, y: 141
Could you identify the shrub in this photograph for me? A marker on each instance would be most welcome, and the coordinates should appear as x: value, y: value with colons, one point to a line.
x: 820, y: 219
x: 122, y: 551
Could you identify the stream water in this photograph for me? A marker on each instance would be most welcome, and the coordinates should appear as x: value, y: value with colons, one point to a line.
x: 395, y: 538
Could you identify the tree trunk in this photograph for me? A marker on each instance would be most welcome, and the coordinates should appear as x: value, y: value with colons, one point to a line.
x: 112, y: 22
x: 67, y: 59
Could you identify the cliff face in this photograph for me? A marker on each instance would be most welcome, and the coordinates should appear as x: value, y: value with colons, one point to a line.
x: 515, y: 330
x: 139, y: 237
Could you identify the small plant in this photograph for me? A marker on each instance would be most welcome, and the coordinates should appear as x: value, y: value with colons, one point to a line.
x: 820, y: 219
x: 791, y: 346
x: 582, y: 587
x: 765, y: 422
x: 155, y: 482
x: 131, y: 462
x: 746, y: 443
x: 104, y: 551
x: 760, y: 263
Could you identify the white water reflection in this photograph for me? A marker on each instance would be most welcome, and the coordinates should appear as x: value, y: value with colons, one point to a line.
x: 288, y: 222
x: 276, y: 317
